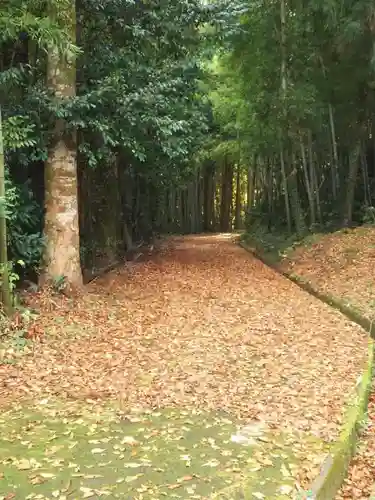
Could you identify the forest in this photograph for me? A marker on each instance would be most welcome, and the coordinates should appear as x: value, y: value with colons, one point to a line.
x: 145, y: 145
x: 181, y: 117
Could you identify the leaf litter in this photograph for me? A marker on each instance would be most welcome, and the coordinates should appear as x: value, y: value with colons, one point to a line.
x: 342, y: 264
x: 200, y: 327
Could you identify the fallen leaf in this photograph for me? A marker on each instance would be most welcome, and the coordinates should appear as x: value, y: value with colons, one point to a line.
x: 174, y: 486
x: 24, y: 464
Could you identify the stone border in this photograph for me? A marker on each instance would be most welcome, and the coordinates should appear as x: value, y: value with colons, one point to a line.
x: 334, y: 468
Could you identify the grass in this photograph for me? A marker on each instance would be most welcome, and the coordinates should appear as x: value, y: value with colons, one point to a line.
x: 76, y: 450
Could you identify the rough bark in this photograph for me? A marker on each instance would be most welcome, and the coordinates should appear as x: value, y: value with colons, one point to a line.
x: 61, y: 225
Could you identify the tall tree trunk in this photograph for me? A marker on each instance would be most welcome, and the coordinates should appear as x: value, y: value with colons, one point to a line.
x: 335, y: 157
x: 313, y: 176
x: 226, y: 196
x: 283, y: 77
x: 126, y: 197
x: 308, y: 183
x: 208, y: 199
x: 250, y: 187
x: 366, y: 181
x: 61, y: 225
x: 6, y: 296
x: 351, y: 184
x: 295, y: 202
x: 270, y: 192
x: 285, y: 190
x: 237, y: 220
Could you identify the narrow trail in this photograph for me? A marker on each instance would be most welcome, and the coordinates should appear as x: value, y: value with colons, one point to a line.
x: 202, y: 326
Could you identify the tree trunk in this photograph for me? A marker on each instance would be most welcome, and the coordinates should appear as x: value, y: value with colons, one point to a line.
x: 286, y: 191
x: 226, y: 196
x: 313, y: 176
x: 61, y: 225
x: 270, y: 192
x: 295, y: 202
x: 208, y: 198
x: 335, y: 163
x: 6, y: 296
x: 308, y: 183
x: 366, y: 181
x: 250, y: 187
x: 237, y: 220
x: 126, y: 201
x: 283, y: 77
x: 351, y: 184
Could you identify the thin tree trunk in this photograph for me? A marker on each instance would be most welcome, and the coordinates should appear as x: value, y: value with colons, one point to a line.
x: 250, y: 187
x: 283, y: 68
x: 335, y: 164
x: 313, y: 177
x: 351, y: 184
x: 335, y: 157
x: 295, y: 203
x: 286, y: 191
x: 6, y: 295
x: 237, y: 223
x: 61, y: 225
x: 218, y: 194
x: 283, y: 76
x: 308, y: 183
x: 366, y: 183
x: 208, y: 198
x: 270, y: 192
x: 127, y: 202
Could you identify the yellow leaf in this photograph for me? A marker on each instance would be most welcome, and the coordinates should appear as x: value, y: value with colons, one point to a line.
x: 24, y: 464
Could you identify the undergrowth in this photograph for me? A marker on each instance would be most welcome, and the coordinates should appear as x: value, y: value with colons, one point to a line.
x: 277, y: 245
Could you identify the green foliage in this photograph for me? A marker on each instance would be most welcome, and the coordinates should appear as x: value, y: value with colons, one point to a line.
x: 141, y: 95
x: 12, y: 274
x: 138, y: 98
x: 329, y: 76
x: 24, y: 225
x: 18, y: 132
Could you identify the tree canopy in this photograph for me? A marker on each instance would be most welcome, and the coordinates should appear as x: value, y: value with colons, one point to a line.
x: 130, y: 118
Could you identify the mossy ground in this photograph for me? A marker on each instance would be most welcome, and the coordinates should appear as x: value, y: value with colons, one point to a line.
x: 65, y: 451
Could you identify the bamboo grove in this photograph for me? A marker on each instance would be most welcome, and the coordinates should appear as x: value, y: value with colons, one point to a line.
x: 181, y: 117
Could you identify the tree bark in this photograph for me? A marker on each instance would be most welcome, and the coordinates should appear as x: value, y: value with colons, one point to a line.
x: 351, y: 184
x: 61, y: 225
x: 6, y: 296
x: 226, y: 196
x: 237, y: 220
x: 308, y: 183
x: 313, y: 176
x: 285, y: 190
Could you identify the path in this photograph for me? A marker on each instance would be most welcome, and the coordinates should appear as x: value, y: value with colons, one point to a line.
x: 213, y: 337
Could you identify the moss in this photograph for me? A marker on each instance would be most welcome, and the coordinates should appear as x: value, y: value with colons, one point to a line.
x: 74, y: 449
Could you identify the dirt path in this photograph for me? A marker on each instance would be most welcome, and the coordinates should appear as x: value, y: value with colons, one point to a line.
x: 202, y: 327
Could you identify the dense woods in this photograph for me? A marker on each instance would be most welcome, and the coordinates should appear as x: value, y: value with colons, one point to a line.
x: 128, y: 119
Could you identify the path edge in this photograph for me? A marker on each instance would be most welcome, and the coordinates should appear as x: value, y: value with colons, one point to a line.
x: 335, y: 466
